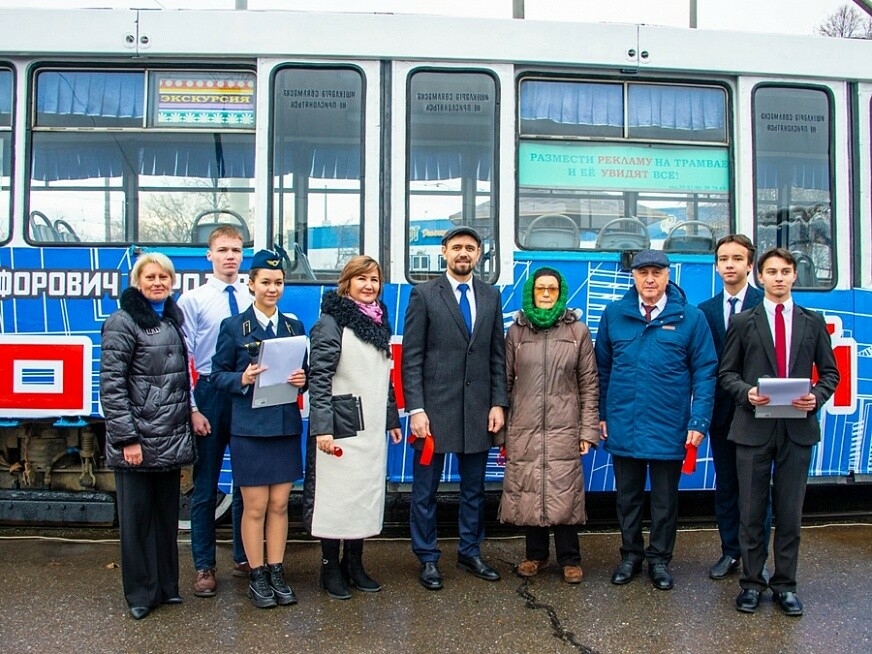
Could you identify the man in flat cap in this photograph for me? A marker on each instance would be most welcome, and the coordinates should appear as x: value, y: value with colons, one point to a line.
x: 454, y: 380
x: 657, y: 371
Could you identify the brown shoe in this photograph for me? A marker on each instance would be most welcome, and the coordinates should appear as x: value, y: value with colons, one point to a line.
x: 204, y: 585
x: 241, y: 569
x: 529, y: 567
x: 572, y: 574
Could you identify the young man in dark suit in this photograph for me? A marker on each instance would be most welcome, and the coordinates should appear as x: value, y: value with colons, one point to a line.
x: 454, y: 380
x: 775, y: 339
x: 734, y: 261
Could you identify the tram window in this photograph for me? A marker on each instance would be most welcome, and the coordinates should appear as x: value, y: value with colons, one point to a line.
x: 652, y: 169
x: 317, y: 175
x: 792, y: 172
x: 6, y: 80
x: 451, y: 169
x: 168, y: 156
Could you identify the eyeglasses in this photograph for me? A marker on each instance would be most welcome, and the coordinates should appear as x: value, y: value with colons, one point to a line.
x: 551, y: 290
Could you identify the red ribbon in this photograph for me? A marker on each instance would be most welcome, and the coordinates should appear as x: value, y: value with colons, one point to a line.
x: 429, y: 448
x: 689, y: 465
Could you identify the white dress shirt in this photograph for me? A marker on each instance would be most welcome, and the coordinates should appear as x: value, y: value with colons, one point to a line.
x: 204, y: 309
x: 741, y: 296
x: 470, y: 294
x: 659, y: 305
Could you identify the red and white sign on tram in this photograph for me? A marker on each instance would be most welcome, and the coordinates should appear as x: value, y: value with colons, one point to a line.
x: 45, y: 376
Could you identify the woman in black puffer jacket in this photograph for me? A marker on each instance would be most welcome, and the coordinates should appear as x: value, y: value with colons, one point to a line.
x: 145, y: 394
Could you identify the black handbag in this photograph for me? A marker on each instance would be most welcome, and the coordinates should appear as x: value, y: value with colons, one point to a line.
x: 347, y: 415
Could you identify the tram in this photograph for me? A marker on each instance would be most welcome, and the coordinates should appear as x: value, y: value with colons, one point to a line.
x: 563, y: 144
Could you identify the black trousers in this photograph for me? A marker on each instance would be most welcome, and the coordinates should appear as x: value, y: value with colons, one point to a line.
x: 630, y: 475
x: 565, y: 544
x: 785, y: 464
x: 148, y: 518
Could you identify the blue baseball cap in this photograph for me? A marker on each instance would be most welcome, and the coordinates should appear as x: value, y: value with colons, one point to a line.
x: 266, y: 259
x: 646, y: 258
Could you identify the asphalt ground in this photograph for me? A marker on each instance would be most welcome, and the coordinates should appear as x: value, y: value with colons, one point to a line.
x: 60, y: 591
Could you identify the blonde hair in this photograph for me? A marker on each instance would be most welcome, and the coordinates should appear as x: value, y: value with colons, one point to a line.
x: 146, y: 258
x: 357, y: 266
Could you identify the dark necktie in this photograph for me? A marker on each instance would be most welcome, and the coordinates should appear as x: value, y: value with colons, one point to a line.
x: 231, y: 300
x: 649, y: 308
x: 465, y: 309
x: 269, y: 329
x: 780, y: 341
x: 733, y: 302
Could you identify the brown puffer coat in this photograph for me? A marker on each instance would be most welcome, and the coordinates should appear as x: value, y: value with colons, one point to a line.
x: 554, y: 396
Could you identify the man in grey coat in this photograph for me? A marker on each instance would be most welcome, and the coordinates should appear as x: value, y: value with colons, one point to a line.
x: 455, y: 388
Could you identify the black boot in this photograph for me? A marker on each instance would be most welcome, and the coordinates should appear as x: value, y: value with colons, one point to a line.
x: 352, y: 568
x: 331, y: 575
x: 283, y: 593
x: 259, y: 591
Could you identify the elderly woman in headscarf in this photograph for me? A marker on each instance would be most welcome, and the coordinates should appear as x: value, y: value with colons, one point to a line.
x: 553, y: 420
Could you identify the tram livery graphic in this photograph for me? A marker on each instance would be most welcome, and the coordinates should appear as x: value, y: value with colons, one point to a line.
x: 566, y: 145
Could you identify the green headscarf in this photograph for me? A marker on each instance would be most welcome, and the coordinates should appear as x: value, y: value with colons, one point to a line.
x: 544, y: 318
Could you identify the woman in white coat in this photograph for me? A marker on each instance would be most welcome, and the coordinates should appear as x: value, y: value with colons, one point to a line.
x: 345, y: 478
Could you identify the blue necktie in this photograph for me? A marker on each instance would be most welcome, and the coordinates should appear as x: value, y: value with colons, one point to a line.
x: 269, y: 329
x: 231, y: 300
x: 733, y: 301
x: 465, y: 309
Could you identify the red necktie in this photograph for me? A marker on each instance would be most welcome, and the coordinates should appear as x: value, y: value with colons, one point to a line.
x: 649, y: 308
x: 780, y: 341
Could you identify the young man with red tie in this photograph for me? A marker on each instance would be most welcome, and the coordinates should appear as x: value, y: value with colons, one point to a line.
x: 778, y: 338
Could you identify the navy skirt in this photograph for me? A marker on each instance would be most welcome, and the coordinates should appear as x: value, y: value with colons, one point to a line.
x: 265, y: 460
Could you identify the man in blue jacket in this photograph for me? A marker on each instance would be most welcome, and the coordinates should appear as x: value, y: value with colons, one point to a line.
x: 657, y: 368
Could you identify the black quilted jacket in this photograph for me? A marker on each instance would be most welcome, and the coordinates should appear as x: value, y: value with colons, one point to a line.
x: 144, y: 385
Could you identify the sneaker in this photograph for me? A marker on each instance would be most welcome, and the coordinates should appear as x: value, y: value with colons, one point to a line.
x: 283, y: 593
x: 259, y: 590
x: 529, y: 567
x: 241, y: 569
x: 205, y: 584
x: 572, y: 574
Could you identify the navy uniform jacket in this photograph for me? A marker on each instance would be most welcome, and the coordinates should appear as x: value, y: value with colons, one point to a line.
x: 232, y: 358
x: 714, y: 315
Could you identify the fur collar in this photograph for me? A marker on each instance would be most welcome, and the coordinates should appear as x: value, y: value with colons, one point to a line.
x: 134, y: 303
x: 346, y: 314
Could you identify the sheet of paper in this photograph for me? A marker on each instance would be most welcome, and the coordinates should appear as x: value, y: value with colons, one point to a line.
x: 783, y: 390
x: 281, y: 356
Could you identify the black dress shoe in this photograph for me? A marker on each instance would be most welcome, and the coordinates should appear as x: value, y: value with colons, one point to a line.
x: 725, y: 565
x: 625, y: 572
x: 660, y: 577
x: 430, y: 577
x: 476, y: 566
x: 789, y: 603
x: 138, y: 612
x: 748, y: 600
x: 173, y: 600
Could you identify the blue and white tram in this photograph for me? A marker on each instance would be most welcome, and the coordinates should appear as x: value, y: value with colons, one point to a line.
x: 570, y: 145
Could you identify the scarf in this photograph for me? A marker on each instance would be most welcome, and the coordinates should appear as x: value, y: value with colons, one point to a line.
x: 372, y: 311
x: 544, y: 318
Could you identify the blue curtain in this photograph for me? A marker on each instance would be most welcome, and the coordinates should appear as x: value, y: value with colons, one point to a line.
x: 573, y: 103
x: 649, y: 105
x: 775, y: 172
x: 676, y: 107
x: 98, y: 94
x: 69, y: 157
x: 5, y: 95
x: 433, y: 163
